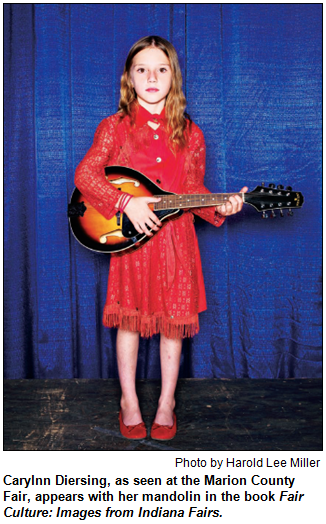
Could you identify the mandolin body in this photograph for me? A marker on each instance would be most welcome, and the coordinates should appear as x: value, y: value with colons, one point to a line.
x: 97, y: 233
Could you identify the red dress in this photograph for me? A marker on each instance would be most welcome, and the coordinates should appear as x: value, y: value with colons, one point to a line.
x: 158, y: 288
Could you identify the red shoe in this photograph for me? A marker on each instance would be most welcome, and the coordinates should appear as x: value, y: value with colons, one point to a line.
x: 136, y: 432
x: 160, y: 432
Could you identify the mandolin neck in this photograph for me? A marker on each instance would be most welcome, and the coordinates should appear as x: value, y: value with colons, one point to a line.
x: 188, y: 201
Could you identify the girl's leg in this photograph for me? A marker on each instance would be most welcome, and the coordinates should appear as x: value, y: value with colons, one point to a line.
x: 127, y: 353
x: 170, y: 353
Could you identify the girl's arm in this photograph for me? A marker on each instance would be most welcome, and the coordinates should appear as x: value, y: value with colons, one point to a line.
x: 104, y: 197
x: 195, y: 176
x: 195, y: 183
x: 90, y: 174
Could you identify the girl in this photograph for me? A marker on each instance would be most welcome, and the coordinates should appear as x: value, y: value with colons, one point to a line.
x: 159, y: 287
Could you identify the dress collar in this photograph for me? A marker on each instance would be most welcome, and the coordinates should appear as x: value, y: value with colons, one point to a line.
x: 143, y: 116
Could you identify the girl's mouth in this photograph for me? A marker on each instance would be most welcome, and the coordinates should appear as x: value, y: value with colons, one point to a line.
x: 152, y: 90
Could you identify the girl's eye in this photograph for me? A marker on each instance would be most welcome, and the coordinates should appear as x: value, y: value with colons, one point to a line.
x: 140, y: 70
x: 163, y: 70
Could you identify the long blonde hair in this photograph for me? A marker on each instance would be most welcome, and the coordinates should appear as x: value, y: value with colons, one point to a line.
x: 175, y: 101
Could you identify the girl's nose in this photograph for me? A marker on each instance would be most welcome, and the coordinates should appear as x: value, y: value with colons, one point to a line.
x: 152, y: 76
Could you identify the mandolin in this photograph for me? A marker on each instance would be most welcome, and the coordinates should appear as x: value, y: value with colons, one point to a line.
x: 97, y: 233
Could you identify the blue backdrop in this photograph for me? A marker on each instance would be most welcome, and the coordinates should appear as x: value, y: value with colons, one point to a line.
x: 253, y: 80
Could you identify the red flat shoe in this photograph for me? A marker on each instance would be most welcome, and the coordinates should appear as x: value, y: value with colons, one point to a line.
x: 160, y: 432
x: 136, y: 432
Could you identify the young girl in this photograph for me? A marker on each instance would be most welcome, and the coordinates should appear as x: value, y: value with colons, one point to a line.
x: 159, y: 287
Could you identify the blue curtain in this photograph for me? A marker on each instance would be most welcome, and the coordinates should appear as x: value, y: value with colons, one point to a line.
x: 253, y: 80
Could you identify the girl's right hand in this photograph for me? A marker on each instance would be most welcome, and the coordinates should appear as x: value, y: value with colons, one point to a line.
x: 141, y: 216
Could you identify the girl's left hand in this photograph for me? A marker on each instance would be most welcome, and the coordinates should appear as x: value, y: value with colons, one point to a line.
x: 234, y: 205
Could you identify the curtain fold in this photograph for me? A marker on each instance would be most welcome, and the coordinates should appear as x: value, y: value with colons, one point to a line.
x: 253, y: 81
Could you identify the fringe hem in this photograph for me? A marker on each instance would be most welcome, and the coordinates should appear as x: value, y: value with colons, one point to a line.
x: 147, y: 326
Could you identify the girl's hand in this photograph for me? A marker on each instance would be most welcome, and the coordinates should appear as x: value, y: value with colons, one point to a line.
x: 234, y: 205
x: 141, y: 216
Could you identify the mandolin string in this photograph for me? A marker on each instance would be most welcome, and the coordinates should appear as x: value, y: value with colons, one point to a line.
x: 192, y: 200
x: 197, y: 200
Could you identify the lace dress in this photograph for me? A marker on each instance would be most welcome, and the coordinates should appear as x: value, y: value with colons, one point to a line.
x: 158, y: 288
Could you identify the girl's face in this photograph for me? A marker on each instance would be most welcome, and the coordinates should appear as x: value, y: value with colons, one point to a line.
x: 151, y: 77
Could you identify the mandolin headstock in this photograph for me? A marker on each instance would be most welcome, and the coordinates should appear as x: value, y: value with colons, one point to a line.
x: 272, y: 198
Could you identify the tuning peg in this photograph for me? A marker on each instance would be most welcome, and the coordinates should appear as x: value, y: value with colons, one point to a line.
x: 289, y: 188
x: 281, y: 213
x: 263, y: 184
x: 264, y: 214
x: 280, y: 186
x: 272, y: 214
x: 272, y: 186
x: 290, y: 212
